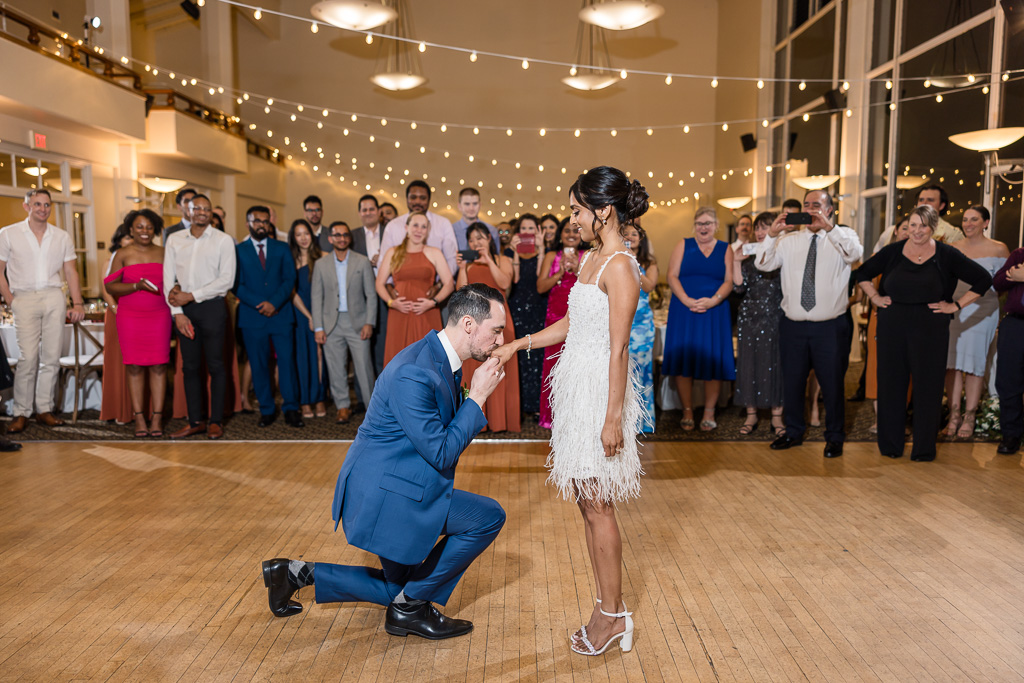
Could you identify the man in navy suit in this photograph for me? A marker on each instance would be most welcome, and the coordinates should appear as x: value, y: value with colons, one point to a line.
x: 395, y: 494
x: 264, y: 285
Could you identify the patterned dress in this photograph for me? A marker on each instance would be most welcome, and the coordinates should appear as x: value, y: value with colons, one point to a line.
x: 641, y: 352
x: 758, y: 357
x: 528, y: 308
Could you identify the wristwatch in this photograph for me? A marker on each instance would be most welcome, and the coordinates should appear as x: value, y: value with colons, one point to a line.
x: 435, y: 302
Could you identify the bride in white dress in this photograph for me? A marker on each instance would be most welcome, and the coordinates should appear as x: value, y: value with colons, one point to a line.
x: 596, y: 401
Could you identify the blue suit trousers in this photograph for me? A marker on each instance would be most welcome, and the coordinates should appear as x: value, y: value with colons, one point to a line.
x: 473, y: 523
x: 258, y: 348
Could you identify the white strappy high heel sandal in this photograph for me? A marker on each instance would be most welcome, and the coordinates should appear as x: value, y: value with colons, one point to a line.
x: 581, y: 632
x: 625, y: 638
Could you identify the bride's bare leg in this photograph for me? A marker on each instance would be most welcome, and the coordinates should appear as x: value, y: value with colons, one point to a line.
x: 593, y: 565
x: 606, y: 551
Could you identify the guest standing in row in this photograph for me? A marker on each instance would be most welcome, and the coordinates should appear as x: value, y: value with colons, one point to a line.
x: 641, y: 336
x: 814, y: 335
x: 199, y: 271
x: 758, y: 357
x: 494, y: 270
x: 698, y: 341
x: 557, y: 276
x: 143, y: 318
x: 33, y: 256
x: 344, y: 306
x: 116, y: 403
x: 1010, y: 350
x: 309, y: 362
x: 973, y: 329
x: 528, y: 306
x: 366, y: 241
x: 915, y: 304
x: 413, y: 265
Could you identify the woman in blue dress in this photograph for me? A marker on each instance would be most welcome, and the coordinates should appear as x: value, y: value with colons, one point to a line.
x: 641, y: 337
x: 698, y: 341
x: 308, y: 354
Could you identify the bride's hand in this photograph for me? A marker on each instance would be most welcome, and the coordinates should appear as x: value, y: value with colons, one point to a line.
x: 504, y: 353
x: 611, y: 438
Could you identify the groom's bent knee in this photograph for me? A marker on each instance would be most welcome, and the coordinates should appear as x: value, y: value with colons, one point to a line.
x: 494, y: 517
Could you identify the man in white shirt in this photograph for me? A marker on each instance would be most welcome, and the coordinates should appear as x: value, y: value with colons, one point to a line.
x: 442, y: 236
x: 469, y: 207
x: 183, y: 199
x: 815, y: 332
x: 366, y: 241
x: 33, y: 255
x: 744, y: 226
x: 199, y: 270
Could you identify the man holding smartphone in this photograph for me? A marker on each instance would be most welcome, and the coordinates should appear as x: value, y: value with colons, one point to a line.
x: 815, y: 273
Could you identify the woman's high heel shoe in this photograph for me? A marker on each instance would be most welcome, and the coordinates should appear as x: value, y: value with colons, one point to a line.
x: 581, y: 632
x: 585, y: 647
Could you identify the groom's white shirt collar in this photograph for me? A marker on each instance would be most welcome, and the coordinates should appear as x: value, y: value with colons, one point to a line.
x: 453, y: 357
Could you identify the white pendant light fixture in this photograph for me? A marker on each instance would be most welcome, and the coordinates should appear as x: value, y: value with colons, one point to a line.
x: 398, y: 62
x: 987, y: 140
x: 593, y: 70
x: 733, y: 203
x: 162, y: 185
x: 354, y: 15
x: 621, y: 15
x: 815, y: 182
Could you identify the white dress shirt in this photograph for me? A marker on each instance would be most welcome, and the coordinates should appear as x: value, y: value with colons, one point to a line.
x: 373, y: 243
x: 205, y: 267
x: 837, y: 249
x: 33, y: 265
x: 453, y: 358
x: 441, y: 235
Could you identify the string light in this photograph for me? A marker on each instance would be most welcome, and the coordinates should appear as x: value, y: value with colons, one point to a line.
x: 668, y: 79
x: 526, y: 64
x: 714, y: 82
x: 423, y: 47
x: 760, y: 85
x: 472, y: 57
x: 258, y: 14
x: 313, y: 28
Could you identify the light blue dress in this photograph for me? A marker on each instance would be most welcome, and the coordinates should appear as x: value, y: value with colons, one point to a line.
x: 641, y: 350
x: 972, y: 330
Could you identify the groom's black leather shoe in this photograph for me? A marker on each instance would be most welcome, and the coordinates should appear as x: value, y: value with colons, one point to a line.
x: 280, y: 587
x: 423, y: 620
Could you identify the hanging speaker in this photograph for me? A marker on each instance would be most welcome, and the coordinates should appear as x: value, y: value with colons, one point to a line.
x: 749, y: 142
x: 835, y: 99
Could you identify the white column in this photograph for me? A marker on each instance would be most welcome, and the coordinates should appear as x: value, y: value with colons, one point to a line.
x: 114, y: 35
x: 219, y: 52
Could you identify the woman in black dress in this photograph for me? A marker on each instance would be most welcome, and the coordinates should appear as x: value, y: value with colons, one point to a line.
x: 915, y: 304
x: 758, y: 359
x: 527, y: 305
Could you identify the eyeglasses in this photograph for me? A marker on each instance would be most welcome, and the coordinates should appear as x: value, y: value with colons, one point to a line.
x: 340, y: 235
x: 704, y: 224
x: 313, y: 210
x: 504, y: 232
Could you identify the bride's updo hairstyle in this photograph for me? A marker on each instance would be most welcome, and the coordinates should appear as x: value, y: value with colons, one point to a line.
x: 606, y: 186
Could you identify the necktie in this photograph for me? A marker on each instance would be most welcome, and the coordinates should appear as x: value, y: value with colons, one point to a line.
x: 263, y: 257
x: 458, y: 386
x: 807, y: 289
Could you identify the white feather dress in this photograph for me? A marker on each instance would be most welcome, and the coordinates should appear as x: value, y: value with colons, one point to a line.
x: 579, y: 401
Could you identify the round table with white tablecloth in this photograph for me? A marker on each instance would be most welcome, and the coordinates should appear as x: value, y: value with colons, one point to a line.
x: 92, y: 385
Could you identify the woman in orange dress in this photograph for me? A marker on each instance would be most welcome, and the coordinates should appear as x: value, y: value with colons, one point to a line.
x: 413, y: 266
x: 494, y: 270
x: 116, y: 404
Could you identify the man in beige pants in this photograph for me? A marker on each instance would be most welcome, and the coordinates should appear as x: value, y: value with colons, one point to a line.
x: 33, y: 253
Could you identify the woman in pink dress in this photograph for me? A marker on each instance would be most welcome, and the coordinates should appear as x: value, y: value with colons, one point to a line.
x: 143, y: 317
x: 557, y: 278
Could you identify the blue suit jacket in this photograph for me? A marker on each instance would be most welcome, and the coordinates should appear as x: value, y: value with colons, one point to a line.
x: 395, y: 487
x: 254, y: 285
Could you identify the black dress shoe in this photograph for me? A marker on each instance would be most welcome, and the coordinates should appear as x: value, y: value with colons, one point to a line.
x: 893, y: 455
x: 280, y: 587
x: 833, y: 449
x: 294, y: 418
x: 1008, y: 446
x: 8, y: 446
x: 923, y: 457
x: 266, y: 420
x: 422, y: 619
x: 784, y: 442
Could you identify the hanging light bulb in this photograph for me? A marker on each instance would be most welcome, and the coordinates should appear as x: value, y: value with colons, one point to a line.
x: 668, y: 79
x: 472, y: 57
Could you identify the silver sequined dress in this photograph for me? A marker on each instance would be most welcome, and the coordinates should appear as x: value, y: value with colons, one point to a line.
x: 758, y: 360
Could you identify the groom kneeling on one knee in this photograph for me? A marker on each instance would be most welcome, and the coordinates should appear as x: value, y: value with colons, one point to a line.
x: 395, y: 495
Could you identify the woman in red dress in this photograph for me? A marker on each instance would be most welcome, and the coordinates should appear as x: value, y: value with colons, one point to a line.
x: 490, y: 268
x: 143, y: 317
x: 413, y: 266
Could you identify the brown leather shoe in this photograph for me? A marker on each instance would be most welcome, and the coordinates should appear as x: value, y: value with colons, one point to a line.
x: 18, y: 424
x: 214, y: 432
x: 189, y: 431
x: 344, y: 415
x: 49, y: 420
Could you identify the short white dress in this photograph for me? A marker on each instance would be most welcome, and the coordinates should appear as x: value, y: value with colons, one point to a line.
x: 579, y: 401
x: 972, y: 330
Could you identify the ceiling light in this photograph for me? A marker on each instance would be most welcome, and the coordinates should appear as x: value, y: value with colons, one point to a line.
x: 733, y: 203
x: 354, y: 15
x: 162, y: 185
x: 592, y: 81
x: 398, y: 81
x: 987, y: 140
x: 815, y: 182
x: 621, y: 15
x: 35, y: 171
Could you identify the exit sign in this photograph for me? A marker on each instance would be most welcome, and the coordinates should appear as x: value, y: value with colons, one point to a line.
x: 37, y: 140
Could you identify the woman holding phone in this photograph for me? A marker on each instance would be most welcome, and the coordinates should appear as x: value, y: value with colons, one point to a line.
x: 528, y: 306
x: 143, y: 317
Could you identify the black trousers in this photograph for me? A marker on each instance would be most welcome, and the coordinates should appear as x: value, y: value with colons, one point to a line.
x: 210, y: 321
x: 825, y: 348
x: 912, y: 342
x: 1010, y: 376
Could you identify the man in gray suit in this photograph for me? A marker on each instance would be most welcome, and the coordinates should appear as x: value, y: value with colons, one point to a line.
x: 344, y: 314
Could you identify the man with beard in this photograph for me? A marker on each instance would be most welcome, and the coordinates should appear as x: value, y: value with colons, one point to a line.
x: 264, y: 287
x: 395, y: 493
x: 199, y: 269
x: 441, y: 235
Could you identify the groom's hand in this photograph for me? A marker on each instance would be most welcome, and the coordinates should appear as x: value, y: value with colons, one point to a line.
x: 485, y: 380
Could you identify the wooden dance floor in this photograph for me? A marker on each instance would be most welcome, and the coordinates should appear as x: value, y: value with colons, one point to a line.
x: 141, y: 562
